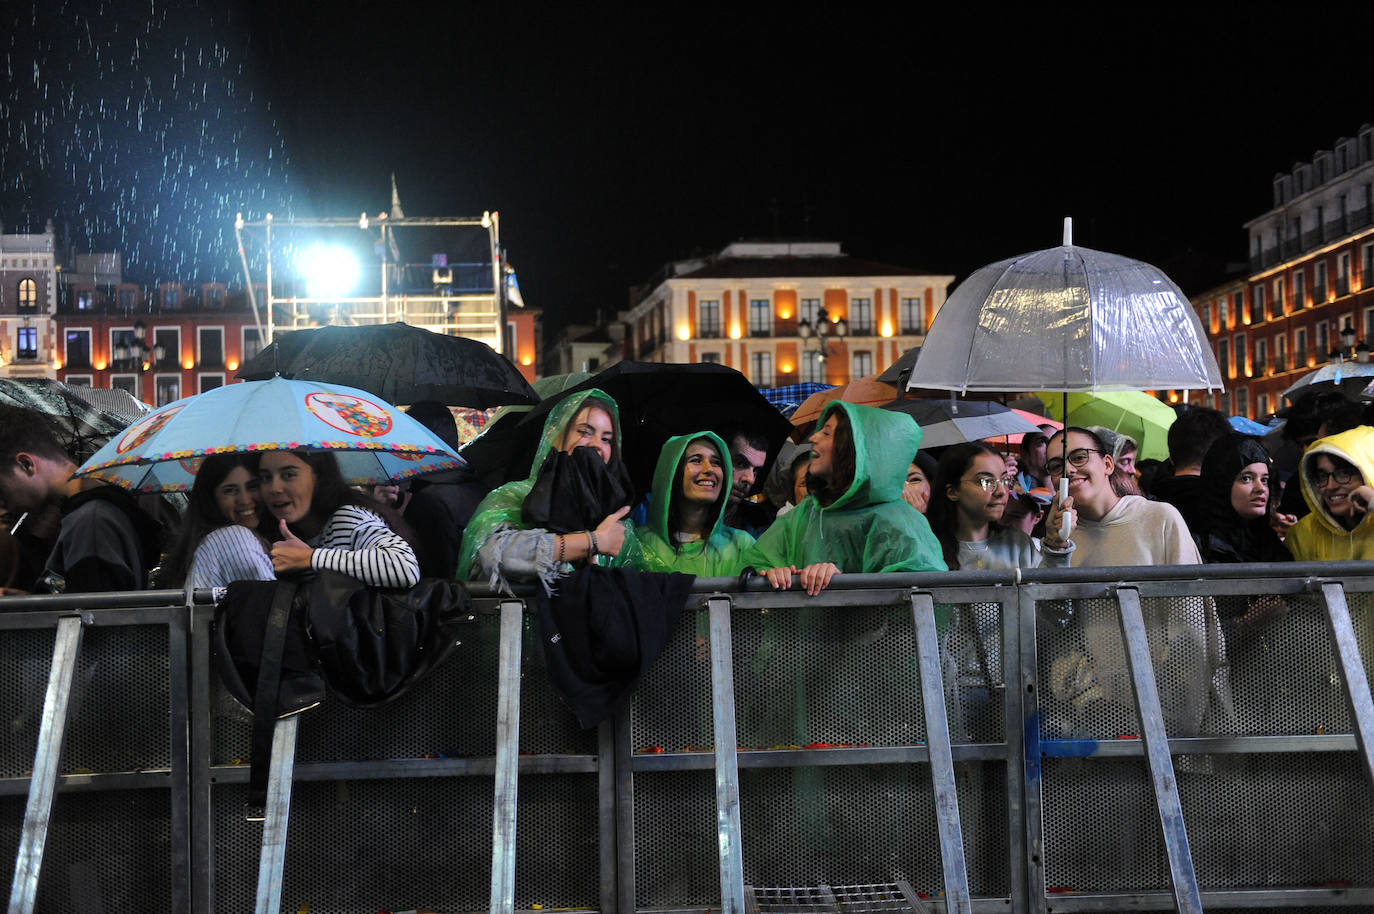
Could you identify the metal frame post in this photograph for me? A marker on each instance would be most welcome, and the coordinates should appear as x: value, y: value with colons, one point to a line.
x: 957, y: 899
x: 277, y: 814
x: 729, y: 829
x: 1031, y: 756
x: 43, y: 781
x: 202, y: 838
x: 1182, y: 876
x: 179, y: 718
x: 1352, y: 670
x: 507, y: 760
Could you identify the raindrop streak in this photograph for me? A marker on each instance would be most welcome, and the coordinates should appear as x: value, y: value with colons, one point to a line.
x: 141, y: 130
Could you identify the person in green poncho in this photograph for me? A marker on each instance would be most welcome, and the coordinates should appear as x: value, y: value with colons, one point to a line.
x: 686, y: 529
x: 854, y: 520
x: 499, y: 546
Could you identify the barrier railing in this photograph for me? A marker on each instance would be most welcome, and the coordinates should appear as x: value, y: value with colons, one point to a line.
x: 1102, y: 739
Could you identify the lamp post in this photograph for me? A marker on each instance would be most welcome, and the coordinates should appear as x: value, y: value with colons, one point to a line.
x: 824, y: 330
x: 1347, y: 336
x: 133, y: 354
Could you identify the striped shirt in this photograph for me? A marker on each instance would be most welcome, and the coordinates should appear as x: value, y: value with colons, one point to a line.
x: 358, y: 543
x: 229, y: 553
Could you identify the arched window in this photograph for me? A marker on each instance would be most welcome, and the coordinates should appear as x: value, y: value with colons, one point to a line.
x: 28, y: 296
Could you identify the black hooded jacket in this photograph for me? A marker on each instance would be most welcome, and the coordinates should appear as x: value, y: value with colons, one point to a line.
x: 1222, y: 535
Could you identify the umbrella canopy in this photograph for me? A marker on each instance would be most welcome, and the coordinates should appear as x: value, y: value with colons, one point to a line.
x: 1248, y: 426
x: 1350, y: 378
x: 656, y: 401
x: 79, y: 427
x: 896, y: 372
x: 1034, y: 419
x: 1066, y: 318
x: 789, y: 397
x: 1130, y: 412
x: 866, y: 391
x: 374, y: 441
x: 944, y: 422
x: 397, y: 362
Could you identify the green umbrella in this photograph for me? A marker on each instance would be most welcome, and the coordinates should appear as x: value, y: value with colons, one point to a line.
x: 1131, y: 412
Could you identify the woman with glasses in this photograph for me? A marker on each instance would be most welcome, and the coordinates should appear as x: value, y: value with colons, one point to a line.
x: 974, y: 489
x: 1335, y: 482
x: 1107, y: 528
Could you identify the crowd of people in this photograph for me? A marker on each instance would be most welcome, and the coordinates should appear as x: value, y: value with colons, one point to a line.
x: 859, y: 496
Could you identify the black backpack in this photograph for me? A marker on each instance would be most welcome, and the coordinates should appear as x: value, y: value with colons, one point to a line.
x: 281, y: 646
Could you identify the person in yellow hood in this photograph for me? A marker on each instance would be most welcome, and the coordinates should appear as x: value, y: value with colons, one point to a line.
x: 1336, y: 473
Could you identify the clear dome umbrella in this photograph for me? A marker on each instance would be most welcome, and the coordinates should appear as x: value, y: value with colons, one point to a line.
x: 1066, y: 319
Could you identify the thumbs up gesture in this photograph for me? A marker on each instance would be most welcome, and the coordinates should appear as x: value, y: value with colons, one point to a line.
x: 291, y: 553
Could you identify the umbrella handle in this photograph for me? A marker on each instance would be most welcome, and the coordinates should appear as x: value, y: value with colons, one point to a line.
x: 1064, y: 518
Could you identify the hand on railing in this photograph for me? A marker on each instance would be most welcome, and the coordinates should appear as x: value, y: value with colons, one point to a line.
x: 813, y: 578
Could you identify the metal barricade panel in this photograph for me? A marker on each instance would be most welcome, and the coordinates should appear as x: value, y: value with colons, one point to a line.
x: 120, y: 701
x: 1085, y: 682
x: 675, y: 838
x: 106, y: 850
x: 451, y: 713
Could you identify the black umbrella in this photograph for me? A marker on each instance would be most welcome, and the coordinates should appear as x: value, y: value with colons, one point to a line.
x: 656, y: 400
x: 397, y: 362
x: 944, y: 422
x: 80, y: 428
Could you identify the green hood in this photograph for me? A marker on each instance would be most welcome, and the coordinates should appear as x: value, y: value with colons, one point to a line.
x: 721, y: 553
x: 1355, y: 446
x: 885, y: 443
x: 869, y: 528
x: 501, y: 507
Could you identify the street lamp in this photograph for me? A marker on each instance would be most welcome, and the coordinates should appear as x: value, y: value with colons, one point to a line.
x: 1347, y: 338
x: 823, y: 330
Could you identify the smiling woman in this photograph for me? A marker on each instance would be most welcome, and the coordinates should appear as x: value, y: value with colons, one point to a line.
x: 1336, y: 472
x: 686, y: 530
x: 219, y: 542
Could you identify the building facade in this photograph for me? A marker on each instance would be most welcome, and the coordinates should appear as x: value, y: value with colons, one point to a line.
x: 783, y: 312
x: 28, y: 300
x: 1308, y: 296
x: 160, y: 344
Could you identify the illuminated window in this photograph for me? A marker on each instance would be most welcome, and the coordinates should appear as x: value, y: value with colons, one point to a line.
x: 1300, y: 347
x: 760, y: 317
x: 1224, y: 358
x: 1319, y: 283
x: 1299, y: 290
x: 168, y: 389
x: 1323, y: 339
x: 252, y: 343
x: 1261, y: 357
x: 26, y: 343
x: 861, y: 317
x: 812, y: 367
x: 712, y: 357
x: 761, y: 369
x: 1281, y: 352
x: 863, y: 365
x: 913, y: 315
x: 810, y: 310
x: 1243, y: 402
x: 708, y: 319
x: 28, y: 296
x: 1258, y: 306
x: 85, y: 299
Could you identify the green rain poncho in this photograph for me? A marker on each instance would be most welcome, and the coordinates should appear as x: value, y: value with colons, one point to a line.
x: 500, y: 510
x: 868, y: 528
x: 721, y: 554
x: 814, y: 667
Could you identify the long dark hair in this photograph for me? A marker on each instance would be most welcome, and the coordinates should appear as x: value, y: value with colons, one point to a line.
x: 943, y: 513
x: 675, y: 502
x: 331, y: 493
x: 843, y: 461
x: 202, y: 513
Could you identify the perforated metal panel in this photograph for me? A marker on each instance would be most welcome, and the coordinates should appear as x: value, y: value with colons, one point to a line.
x: 356, y: 847
x: 108, y: 851
x: 118, y: 718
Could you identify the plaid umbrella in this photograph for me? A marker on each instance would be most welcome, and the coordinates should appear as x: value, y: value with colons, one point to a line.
x: 789, y: 396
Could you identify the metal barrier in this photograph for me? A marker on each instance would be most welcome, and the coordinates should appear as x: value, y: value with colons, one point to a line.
x: 1169, y: 739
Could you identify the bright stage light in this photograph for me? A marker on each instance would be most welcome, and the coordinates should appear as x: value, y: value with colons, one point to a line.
x: 329, y: 272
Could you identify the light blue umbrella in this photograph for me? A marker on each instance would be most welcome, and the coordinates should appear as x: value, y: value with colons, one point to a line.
x: 373, y: 441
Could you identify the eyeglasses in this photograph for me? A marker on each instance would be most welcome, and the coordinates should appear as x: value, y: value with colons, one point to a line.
x: 990, y: 483
x: 1342, y: 477
x: 1055, y: 465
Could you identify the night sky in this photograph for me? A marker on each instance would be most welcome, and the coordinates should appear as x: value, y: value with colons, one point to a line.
x: 613, y: 141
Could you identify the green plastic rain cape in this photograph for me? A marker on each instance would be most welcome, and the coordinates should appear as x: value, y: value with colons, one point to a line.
x: 719, y: 555
x: 868, y: 528
x: 501, y: 507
